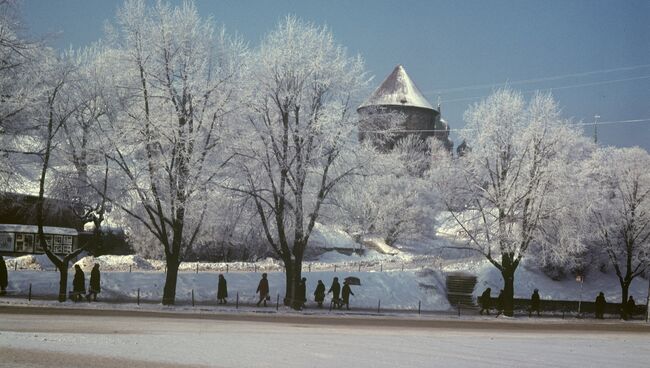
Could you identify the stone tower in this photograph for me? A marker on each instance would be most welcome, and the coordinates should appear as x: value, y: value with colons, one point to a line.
x: 398, y: 94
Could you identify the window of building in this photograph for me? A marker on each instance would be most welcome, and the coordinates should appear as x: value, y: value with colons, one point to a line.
x: 48, y: 241
x: 7, y: 242
x: 57, y: 244
x: 67, y: 244
x: 24, y: 243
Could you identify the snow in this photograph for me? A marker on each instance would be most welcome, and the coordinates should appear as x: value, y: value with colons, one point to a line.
x: 331, y: 237
x: 33, y: 229
x: 397, y: 89
x: 528, y: 278
x: 94, y: 340
x: 380, y: 245
x: 397, y: 290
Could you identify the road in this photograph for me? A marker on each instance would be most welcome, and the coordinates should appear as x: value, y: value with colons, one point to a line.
x: 53, y: 337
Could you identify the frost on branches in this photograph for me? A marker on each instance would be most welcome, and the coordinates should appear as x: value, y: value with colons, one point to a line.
x: 512, y: 191
x: 176, y: 83
x: 620, y: 212
x: 385, y: 198
x: 292, y: 149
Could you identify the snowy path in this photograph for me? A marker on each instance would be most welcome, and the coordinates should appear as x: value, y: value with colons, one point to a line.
x: 25, y: 340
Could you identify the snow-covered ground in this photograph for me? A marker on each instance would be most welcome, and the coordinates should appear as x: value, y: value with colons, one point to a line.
x: 73, y: 341
x: 396, y: 289
x: 529, y: 278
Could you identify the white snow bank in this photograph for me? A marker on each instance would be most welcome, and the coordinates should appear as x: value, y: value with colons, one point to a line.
x: 397, y: 290
x: 330, y: 237
x: 380, y: 246
x: 528, y: 279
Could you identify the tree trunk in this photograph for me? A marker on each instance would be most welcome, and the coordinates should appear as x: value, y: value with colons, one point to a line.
x: 169, y: 291
x: 508, y: 291
x: 290, y: 283
x: 63, y: 282
x: 625, y: 291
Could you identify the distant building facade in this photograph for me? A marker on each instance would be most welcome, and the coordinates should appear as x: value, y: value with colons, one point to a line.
x: 398, y: 94
x: 18, y: 230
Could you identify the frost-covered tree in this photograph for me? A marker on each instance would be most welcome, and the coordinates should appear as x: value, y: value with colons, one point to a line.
x: 176, y: 81
x: 84, y: 177
x: 384, y: 199
x: 299, y: 127
x: 619, y: 179
x: 19, y: 94
x: 53, y: 108
x: 507, y: 192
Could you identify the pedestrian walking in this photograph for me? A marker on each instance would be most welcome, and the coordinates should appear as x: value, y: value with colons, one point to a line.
x: 630, y: 306
x: 263, y: 289
x: 335, y: 289
x: 94, y: 286
x: 222, y: 290
x: 534, y: 304
x: 78, y: 284
x: 600, y: 305
x: 347, y: 291
x: 485, y: 301
x: 319, y: 294
x: 300, y: 294
x: 500, y: 303
x: 4, y: 277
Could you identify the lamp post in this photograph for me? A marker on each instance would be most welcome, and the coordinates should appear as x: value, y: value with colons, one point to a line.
x: 581, y: 280
x: 647, y: 300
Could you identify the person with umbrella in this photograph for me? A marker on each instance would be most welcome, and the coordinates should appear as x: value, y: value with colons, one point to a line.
x: 347, y: 291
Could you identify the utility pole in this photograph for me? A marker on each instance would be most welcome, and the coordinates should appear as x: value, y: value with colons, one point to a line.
x: 596, y: 117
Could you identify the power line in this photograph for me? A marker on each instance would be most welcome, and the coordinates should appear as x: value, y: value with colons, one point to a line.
x: 537, y: 80
x: 557, y: 88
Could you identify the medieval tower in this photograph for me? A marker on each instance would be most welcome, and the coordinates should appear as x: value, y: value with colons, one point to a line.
x: 398, y: 94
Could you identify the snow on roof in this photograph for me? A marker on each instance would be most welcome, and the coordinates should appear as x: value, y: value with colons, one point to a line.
x: 10, y: 228
x: 397, y: 89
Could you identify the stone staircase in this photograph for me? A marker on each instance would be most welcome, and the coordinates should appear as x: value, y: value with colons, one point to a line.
x: 460, y: 287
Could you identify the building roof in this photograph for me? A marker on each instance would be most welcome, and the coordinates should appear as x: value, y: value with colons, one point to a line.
x: 397, y: 90
x: 33, y: 229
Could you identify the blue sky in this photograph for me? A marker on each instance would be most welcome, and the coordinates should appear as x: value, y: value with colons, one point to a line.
x: 593, y: 54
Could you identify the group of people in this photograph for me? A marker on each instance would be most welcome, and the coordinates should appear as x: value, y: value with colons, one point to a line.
x: 485, y: 302
x: 300, y: 294
x: 627, y: 310
x: 79, y: 284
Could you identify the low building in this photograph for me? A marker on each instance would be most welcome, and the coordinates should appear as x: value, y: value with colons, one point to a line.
x: 20, y: 240
x: 18, y: 230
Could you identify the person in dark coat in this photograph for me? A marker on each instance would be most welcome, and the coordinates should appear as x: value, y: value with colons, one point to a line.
x: 485, y: 300
x: 335, y: 289
x: 600, y: 305
x: 4, y: 278
x: 319, y: 294
x: 500, y: 303
x: 346, y: 295
x: 78, y: 284
x: 263, y: 289
x: 222, y: 290
x: 534, y: 303
x: 629, y: 308
x: 94, y: 286
x: 300, y: 294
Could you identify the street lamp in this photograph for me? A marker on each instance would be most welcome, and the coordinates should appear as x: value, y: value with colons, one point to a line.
x: 581, y: 280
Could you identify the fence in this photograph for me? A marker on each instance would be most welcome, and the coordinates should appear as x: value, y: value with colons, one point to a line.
x: 237, y: 299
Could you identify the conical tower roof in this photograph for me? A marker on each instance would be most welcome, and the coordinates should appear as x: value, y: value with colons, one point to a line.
x: 398, y: 90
